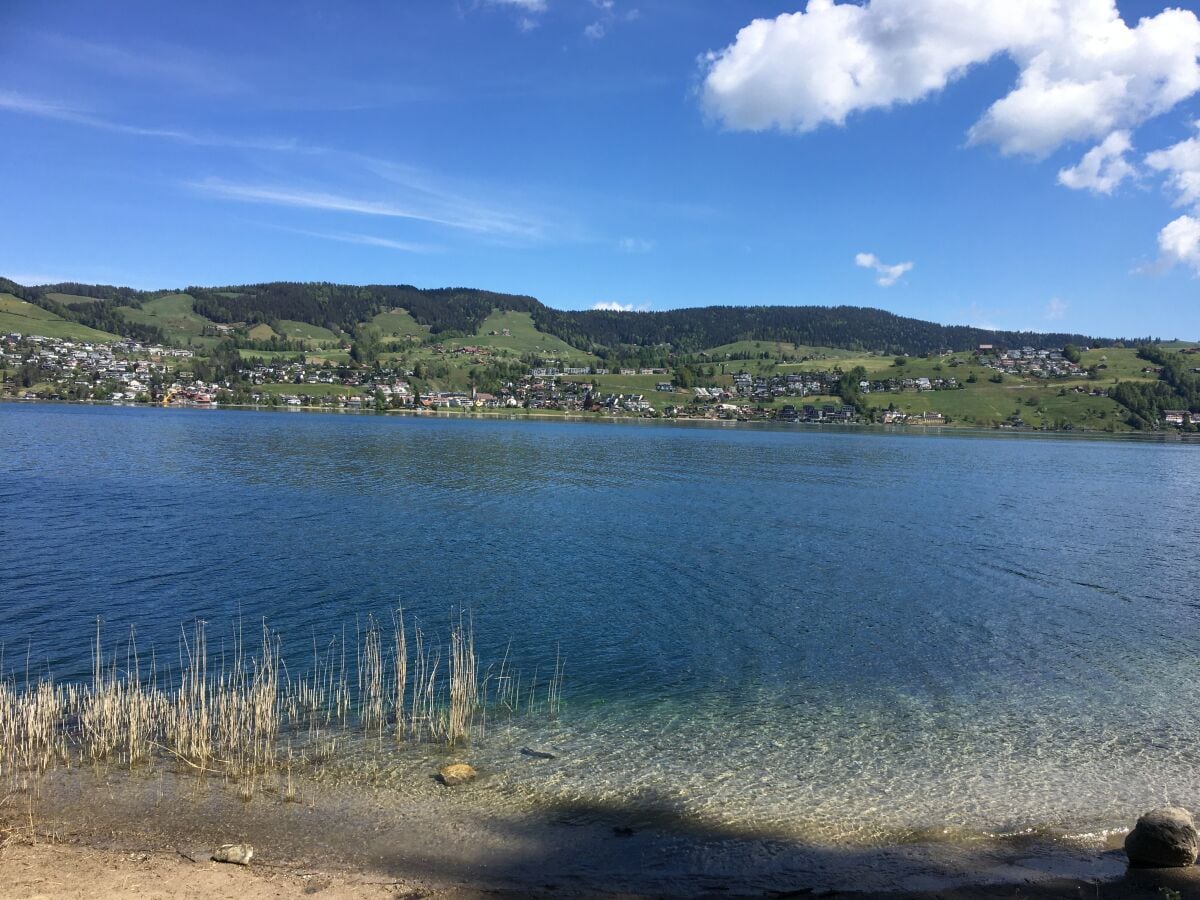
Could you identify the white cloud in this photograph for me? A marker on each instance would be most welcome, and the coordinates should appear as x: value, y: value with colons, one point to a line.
x: 607, y: 19
x: 1056, y: 309
x: 529, y: 6
x: 366, y: 240
x: 1103, y: 167
x: 888, y: 274
x: 1179, y: 242
x: 1180, y: 163
x: 467, y: 219
x: 635, y: 245
x: 12, y: 101
x: 614, y: 306
x: 529, y: 11
x: 1083, y: 72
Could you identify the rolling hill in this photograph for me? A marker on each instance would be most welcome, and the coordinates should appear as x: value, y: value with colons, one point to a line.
x: 321, y: 314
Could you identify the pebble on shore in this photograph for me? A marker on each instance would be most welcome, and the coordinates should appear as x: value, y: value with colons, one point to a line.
x: 235, y: 854
x: 458, y: 773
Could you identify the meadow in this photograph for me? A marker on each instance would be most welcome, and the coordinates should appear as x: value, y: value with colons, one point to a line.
x: 24, y: 318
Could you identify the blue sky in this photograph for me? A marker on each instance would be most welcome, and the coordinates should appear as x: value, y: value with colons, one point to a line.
x: 922, y: 156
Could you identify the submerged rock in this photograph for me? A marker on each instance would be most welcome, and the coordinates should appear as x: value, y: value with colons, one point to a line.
x: 459, y: 773
x: 1163, y: 838
x: 236, y: 854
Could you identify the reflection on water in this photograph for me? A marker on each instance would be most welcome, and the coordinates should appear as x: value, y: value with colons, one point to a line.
x: 847, y: 636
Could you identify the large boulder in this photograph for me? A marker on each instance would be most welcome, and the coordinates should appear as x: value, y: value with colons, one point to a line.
x: 1163, y: 838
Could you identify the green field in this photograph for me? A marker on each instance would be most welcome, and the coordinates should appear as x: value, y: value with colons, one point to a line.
x: 779, y: 351
x: 25, y: 318
x: 1122, y: 364
x: 397, y: 323
x: 986, y: 404
x: 523, y: 338
x: 261, y: 332
x: 174, y: 316
x: 303, y: 331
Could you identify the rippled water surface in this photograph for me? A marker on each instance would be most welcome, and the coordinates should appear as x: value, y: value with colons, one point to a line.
x: 840, y: 636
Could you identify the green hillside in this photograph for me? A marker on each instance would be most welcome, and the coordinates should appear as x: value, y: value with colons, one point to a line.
x: 17, y: 315
x: 522, y: 338
x: 398, y: 323
x: 305, y: 331
x: 174, y: 316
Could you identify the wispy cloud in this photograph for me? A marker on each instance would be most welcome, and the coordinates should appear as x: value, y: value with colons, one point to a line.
x: 16, y: 102
x: 365, y: 240
x: 332, y: 202
x: 887, y: 275
x: 1056, y: 310
x: 608, y: 17
x: 635, y: 245
x: 155, y: 63
x: 424, y: 197
x: 529, y: 11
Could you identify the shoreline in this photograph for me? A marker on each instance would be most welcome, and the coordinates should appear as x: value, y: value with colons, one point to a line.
x: 104, y: 836
x: 574, y: 418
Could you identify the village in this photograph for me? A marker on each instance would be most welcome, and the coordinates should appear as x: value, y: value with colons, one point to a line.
x: 37, y: 367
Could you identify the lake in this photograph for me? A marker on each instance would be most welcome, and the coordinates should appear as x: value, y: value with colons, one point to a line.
x: 842, y: 637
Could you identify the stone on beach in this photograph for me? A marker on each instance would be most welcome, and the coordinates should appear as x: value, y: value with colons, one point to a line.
x: 1163, y: 838
x: 459, y: 773
x: 237, y: 854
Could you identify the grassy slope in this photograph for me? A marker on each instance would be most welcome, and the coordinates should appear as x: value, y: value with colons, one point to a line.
x: 778, y: 349
x: 261, y: 332
x: 523, y: 338
x: 173, y: 314
x: 397, y: 323
x: 304, y: 331
x: 25, y: 318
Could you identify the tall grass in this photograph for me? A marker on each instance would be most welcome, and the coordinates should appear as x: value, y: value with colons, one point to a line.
x: 240, y: 714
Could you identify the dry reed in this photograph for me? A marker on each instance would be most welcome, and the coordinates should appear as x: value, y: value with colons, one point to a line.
x: 239, y: 715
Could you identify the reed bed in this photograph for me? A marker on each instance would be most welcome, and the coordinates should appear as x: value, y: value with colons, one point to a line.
x: 238, y: 713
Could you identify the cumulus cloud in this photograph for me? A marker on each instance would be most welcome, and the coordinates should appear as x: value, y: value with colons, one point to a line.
x: 1103, y: 167
x: 1083, y: 73
x: 1056, y: 309
x: 614, y: 306
x: 887, y: 275
x: 1181, y: 165
x: 1179, y: 242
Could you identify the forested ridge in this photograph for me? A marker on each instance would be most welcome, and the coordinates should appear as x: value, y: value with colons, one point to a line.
x: 461, y: 311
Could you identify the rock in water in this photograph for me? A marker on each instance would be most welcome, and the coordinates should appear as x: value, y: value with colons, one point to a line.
x: 459, y: 773
x: 237, y: 854
x: 1163, y: 838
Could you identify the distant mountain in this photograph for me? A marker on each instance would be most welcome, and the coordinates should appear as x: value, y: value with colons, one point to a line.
x: 461, y: 311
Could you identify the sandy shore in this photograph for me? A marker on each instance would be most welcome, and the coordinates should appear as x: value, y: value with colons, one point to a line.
x: 113, y: 834
x: 132, y: 866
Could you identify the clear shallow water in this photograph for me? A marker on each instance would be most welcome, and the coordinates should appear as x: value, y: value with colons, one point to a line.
x: 833, y: 636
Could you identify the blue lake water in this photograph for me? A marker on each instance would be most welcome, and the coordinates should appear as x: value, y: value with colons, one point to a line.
x: 841, y: 636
